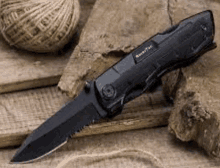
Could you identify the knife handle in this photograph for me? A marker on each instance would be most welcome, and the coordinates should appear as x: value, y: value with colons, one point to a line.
x: 140, y: 69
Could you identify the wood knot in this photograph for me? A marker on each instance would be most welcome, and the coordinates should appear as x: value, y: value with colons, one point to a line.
x: 194, y: 112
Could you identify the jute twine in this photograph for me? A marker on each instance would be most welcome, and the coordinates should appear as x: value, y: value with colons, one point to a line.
x: 126, y: 153
x: 39, y: 25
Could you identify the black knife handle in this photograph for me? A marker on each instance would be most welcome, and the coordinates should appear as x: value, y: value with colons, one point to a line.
x: 140, y: 69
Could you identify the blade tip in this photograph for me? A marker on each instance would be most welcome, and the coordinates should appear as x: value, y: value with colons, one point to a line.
x: 15, y: 160
x: 12, y: 161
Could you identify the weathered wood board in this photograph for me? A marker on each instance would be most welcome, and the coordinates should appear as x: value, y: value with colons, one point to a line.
x: 114, y: 29
x: 196, y: 89
x: 23, y: 70
x: 22, y: 112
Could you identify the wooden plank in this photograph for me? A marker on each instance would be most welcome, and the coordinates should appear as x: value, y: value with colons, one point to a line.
x: 20, y: 69
x: 22, y: 112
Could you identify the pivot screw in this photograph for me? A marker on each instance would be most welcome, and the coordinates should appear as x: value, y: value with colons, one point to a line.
x: 108, y: 91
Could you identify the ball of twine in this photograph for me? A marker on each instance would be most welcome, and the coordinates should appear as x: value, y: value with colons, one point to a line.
x: 39, y: 25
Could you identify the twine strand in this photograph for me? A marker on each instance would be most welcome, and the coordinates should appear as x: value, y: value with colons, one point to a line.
x: 120, y: 153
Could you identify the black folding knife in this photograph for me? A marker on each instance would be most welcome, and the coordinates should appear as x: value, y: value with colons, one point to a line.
x: 105, y: 96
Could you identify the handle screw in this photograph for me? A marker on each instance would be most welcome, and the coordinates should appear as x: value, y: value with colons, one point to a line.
x: 108, y: 91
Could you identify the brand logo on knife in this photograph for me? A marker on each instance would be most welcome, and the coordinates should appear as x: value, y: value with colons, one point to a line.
x: 144, y: 51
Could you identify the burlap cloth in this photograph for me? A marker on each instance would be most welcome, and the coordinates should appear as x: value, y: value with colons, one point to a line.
x: 166, y: 149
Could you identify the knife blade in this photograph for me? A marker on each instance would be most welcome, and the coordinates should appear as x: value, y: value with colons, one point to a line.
x: 105, y: 96
x: 56, y: 130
